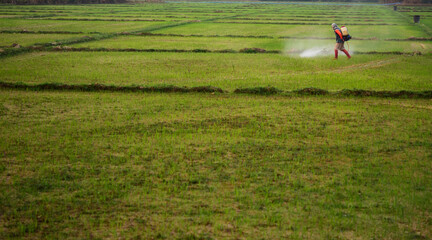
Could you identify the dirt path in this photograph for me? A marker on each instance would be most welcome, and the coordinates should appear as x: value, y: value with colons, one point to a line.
x: 403, y: 105
x: 372, y: 64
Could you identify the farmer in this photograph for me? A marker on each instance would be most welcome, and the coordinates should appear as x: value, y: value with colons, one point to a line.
x: 339, y: 41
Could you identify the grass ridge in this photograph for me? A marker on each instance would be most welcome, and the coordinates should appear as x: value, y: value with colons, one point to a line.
x: 308, y: 23
x: 210, y: 89
x: 112, y: 88
x: 140, y: 33
x: 57, y: 47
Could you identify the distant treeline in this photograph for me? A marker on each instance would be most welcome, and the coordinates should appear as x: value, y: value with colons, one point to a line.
x: 359, y: 1
x: 37, y: 2
x: 321, y: 1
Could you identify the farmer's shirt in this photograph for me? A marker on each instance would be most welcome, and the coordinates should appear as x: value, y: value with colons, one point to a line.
x: 339, y: 38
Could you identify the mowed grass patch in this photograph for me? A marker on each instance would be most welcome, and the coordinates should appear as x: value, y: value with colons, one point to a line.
x: 7, y: 39
x: 187, y: 43
x: 316, y: 18
x: 362, y: 46
x: 269, y: 44
x: 116, y: 165
x: 74, y: 26
x: 114, y: 18
x: 140, y: 16
x: 379, y: 32
x: 227, y: 71
x: 427, y: 21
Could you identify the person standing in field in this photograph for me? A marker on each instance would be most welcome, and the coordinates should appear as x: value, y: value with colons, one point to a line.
x: 339, y: 42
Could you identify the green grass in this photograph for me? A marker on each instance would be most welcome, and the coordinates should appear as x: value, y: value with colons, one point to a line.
x: 222, y: 43
x: 73, y: 26
x: 188, y: 43
x: 121, y: 165
x: 379, y: 32
x: 427, y: 22
x: 122, y: 18
x: 425, y: 16
x: 80, y: 165
x: 228, y: 71
x: 7, y: 39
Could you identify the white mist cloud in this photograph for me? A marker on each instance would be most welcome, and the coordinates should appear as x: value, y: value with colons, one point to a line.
x: 308, y: 48
x: 314, y: 52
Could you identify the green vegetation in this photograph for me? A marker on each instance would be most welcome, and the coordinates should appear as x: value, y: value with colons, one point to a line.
x: 238, y: 43
x: 33, y: 39
x: 123, y: 165
x: 225, y: 70
x: 43, y: 2
x: 380, y: 32
x: 73, y: 26
x: 159, y: 151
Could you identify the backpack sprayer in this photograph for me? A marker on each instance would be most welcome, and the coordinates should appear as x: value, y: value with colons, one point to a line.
x: 345, y: 35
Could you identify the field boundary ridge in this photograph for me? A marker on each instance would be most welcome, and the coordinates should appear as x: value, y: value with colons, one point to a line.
x: 7, y: 52
x: 149, y: 34
x: 310, y: 91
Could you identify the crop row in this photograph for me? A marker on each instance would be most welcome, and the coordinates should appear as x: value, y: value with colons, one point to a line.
x: 11, y: 51
x: 105, y: 19
x: 309, y: 23
x: 264, y: 36
x: 178, y: 18
x: 199, y: 35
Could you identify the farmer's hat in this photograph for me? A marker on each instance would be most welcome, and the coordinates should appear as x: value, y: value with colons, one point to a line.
x: 334, y: 26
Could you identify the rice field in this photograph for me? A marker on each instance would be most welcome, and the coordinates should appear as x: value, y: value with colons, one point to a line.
x: 272, y: 153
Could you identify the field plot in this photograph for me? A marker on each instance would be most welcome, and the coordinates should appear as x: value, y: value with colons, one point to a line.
x: 285, y: 46
x: 225, y: 70
x: 214, y: 166
x: 247, y: 29
x: 250, y: 153
x: 33, y: 39
x: 72, y: 26
x: 425, y: 14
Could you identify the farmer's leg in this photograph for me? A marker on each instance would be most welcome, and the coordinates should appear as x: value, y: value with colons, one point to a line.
x: 336, y: 51
x: 342, y: 48
x: 347, y: 53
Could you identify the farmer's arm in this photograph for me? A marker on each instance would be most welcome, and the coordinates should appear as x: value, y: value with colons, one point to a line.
x: 339, y: 35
